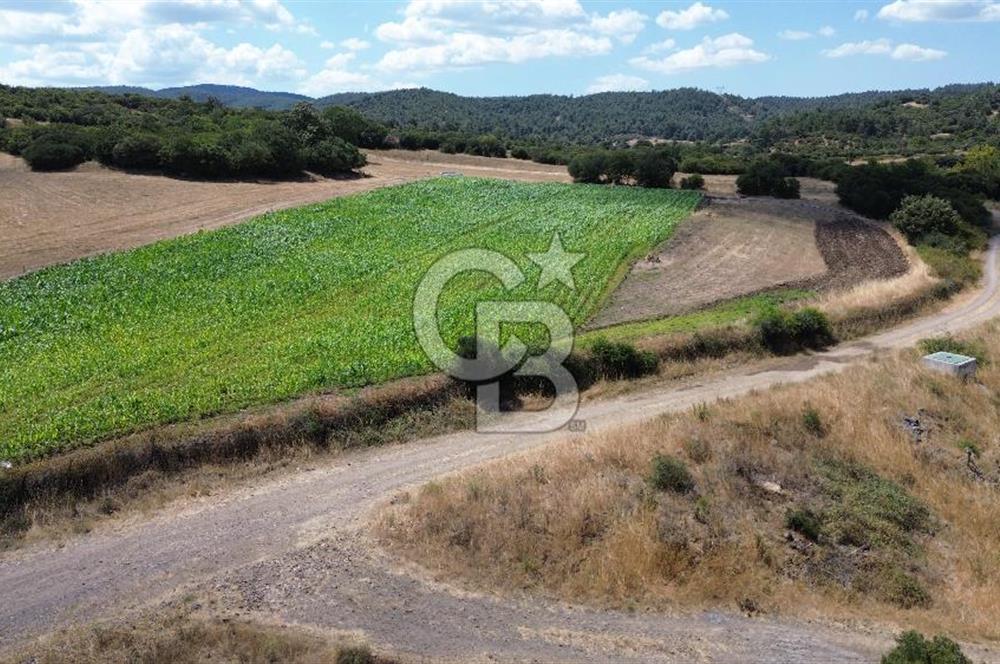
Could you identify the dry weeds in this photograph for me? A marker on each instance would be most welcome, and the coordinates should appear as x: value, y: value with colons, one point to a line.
x: 581, y: 521
x: 182, y: 636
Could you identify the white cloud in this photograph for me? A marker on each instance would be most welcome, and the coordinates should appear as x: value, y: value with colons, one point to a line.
x: 441, y: 34
x: 726, y: 51
x: 355, y: 44
x: 166, y: 55
x: 624, y: 25
x: 337, y: 77
x: 470, y: 49
x: 794, y: 35
x: 916, y: 53
x: 921, y: 11
x: 884, y: 46
x: 617, y: 82
x: 861, y: 15
x: 687, y: 19
x: 827, y: 31
x: 328, y: 45
x: 867, y: 47
x: 661, y: 46
x: 412, y: 30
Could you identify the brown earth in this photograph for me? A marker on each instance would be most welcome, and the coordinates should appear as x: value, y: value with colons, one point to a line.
x: 737, y: 247
x: 48, y: 218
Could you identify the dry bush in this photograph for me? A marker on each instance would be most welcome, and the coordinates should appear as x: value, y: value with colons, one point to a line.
x: 178, y: 637
x: 909, y: 531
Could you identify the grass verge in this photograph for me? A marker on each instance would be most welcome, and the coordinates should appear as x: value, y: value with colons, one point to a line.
x: 181, y: 636
x: 858, y: 495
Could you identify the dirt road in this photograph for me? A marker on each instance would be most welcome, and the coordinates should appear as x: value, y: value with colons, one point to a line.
x: 48, y: 218
x: 296, y: 550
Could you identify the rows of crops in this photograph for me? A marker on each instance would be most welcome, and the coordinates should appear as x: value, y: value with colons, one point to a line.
x: 290, y: 302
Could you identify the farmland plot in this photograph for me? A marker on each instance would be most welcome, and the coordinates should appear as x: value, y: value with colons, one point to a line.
x: 301, y: 300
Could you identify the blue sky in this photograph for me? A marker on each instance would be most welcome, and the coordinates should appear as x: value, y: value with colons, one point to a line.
x: 495, y: 47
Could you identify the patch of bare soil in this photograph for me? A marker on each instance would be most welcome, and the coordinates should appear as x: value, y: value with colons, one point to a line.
x: 738, y: 247
x: 48, y: 218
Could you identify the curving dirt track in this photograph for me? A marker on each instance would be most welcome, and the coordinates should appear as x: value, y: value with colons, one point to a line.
x: 296, y: 550
x: 48, y: 218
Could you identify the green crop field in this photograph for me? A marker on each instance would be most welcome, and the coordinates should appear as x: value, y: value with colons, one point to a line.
x: 296, y: 301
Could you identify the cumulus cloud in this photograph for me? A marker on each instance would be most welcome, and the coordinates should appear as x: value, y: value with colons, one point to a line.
x: 827, y: 31
x: 794, y: 35
x: 442, y: 34
x: 687, y: 19
x: 867, y: 47
x: 884, y: 46
x: 148, y: 42
x: 861, y: 15
x: 336, y: 76
x: 355, y: 44
x: 661, y: 46
x: 166, y: 55
x: 470, y: 49
x: 725, y: 51
x: 922, y: 11
x: 916, y: 53
x: 624, y: 25
x: 617, y: 82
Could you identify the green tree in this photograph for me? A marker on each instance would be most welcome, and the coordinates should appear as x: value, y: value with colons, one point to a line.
x: 920, y: 216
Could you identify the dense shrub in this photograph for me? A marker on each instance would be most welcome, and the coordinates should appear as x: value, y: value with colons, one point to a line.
x: 670, y: 474
x: 804, y: 522
x: 877, y: 190
x: 712, y: 165
x: 912, y: 648
x: 356, y: 655
x: 766, y: 178
x: 653, y: 169
x: 139, y: 151
x: 693, y: 181
x: 44, y: 155
x: 620, y: 360
x: 332, y: 155
x: 587, y: 167
x: 783, y: 331
x: 520, y: 153
x: 919, y: 216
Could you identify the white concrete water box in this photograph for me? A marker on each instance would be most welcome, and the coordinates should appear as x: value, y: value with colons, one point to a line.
x: 962, y: 366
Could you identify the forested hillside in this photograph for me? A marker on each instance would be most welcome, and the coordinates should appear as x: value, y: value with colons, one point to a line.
x: 867, y: 120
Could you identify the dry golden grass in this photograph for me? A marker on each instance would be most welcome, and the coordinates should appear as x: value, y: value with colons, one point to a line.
x: 181, y: 637
x: 581, y: 520
x: 881, y: 292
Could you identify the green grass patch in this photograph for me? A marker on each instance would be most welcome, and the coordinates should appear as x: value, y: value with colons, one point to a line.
x: 732, y: 312
x: 959, y: 268
x: 295, y: 301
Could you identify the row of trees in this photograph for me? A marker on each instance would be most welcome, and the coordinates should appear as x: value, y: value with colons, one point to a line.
x: 645, y: 167
x: 203, y: 140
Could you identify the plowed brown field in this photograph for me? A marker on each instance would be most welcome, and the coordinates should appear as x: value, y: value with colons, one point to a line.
x: 48, y: 218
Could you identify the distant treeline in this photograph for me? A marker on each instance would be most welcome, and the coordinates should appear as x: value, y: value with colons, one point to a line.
x: 58, y: 129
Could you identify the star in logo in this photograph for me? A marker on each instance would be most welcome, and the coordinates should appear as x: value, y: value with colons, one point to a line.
x: 556, y: 264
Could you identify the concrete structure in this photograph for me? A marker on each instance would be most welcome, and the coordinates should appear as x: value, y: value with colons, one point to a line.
x: 962, y: 366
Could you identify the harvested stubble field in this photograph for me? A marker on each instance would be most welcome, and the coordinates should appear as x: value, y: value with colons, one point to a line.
x: 291, y: 302
x: 868, y: 495
x: 735, y: 248
x: 48, y: 218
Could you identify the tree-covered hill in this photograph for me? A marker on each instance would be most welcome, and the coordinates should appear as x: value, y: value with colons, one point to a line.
x: 903, y: 121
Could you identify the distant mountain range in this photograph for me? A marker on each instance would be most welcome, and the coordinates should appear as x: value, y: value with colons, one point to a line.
x: 679, y: 114
x: 230, y: 95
